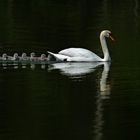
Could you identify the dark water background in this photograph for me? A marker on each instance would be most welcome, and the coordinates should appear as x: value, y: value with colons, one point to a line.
x: 39, y: 102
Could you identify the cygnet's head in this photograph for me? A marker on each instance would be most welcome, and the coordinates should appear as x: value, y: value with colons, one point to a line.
x: 43, y: 56
x: 4, y: 55
x: 32, y: 54
x: 24, y: 55
x: 15, y: 55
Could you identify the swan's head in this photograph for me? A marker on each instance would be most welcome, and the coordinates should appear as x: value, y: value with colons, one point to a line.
x: 107, y: 33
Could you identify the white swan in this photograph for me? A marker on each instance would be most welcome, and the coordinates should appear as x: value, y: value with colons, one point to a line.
x: 80, y: 54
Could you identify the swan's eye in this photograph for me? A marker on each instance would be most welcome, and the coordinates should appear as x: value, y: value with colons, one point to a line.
x: 107, y: 34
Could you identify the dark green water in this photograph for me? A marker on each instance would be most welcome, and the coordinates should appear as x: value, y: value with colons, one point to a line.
x: 65, y: 101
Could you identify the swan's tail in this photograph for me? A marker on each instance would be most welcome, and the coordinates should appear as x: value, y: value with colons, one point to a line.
x: 51, y: 56
x: 57, y: 57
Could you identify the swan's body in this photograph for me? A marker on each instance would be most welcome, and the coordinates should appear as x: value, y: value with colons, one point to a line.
x: 80, y: 54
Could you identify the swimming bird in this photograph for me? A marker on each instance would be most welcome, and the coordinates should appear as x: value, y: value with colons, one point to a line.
x: 42, y: 57
x: 15, y: 57
x: 81, y: 54
x: 24, y: 57
x: 32, y: 56
x: 4, y: 57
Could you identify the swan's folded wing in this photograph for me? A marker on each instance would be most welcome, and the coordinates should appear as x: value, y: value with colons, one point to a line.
x: 59, y: 57
x: 77, y: 52
x: 80, y: 54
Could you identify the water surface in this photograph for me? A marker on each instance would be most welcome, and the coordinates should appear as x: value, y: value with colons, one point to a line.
x: 95, y: 101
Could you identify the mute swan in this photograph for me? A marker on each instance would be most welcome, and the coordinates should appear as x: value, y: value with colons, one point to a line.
x: 81, y: 54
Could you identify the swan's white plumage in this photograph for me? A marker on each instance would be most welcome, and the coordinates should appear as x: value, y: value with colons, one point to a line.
x: 59, y: 57
x: 81, y: 54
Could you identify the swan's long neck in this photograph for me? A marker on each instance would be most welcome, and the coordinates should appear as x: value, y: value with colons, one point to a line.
x: 104, y: 48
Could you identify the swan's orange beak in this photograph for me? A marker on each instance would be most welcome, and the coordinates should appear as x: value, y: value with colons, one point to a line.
x: 111, y: 37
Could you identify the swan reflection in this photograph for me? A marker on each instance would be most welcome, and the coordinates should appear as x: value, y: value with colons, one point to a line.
x: 104, y: 86
x: 104, y: 93
x: 72, y: 70
x: 75, y: 70
x: 78, y: 70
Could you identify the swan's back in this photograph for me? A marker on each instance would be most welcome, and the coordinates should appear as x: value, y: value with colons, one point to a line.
x: 80, y: 52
